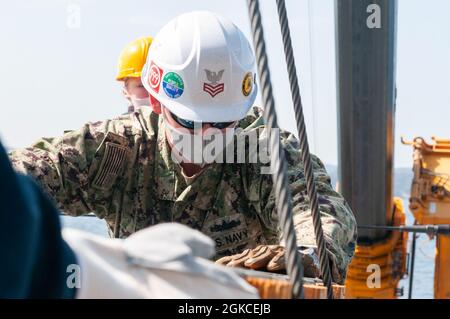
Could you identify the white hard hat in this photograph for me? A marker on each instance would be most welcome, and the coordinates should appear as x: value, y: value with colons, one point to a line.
x: 201, y: 67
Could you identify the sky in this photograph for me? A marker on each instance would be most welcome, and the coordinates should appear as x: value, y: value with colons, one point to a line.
x: 58, y: 62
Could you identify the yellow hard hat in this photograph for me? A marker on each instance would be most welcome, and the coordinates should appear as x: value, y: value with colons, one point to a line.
x: 132, y: 58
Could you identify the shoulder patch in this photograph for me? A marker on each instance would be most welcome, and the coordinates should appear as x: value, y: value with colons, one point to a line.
x: 111, y: 165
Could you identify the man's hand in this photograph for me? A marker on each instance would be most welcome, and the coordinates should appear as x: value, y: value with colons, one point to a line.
x: 271, y: 258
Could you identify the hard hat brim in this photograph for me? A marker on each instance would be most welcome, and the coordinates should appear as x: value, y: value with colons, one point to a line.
x: 211, y: 113
x: 122, y: 77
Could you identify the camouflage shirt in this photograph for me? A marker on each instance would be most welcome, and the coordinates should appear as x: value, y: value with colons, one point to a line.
x: 122, y: 170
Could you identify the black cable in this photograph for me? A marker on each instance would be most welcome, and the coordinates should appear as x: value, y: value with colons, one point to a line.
x: 411, y: 266
x: 431, y: 230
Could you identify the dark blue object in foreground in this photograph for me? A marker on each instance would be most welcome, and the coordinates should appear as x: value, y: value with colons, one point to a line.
x: 33, y: 255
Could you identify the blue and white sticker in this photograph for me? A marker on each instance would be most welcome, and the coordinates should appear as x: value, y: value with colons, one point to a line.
x: 173, y: 85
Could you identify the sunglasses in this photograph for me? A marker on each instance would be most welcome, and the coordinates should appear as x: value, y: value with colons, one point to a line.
x: 191, y: 124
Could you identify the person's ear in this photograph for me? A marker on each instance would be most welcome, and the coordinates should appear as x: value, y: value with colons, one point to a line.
x: 155, y: 105
x: 125, y: 90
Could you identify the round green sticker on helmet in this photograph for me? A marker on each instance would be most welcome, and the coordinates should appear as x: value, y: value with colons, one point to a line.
x: 173, y: 85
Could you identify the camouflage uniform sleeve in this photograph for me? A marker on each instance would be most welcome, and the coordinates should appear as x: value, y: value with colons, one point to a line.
x: 62, y: 165
x: 338, y: 221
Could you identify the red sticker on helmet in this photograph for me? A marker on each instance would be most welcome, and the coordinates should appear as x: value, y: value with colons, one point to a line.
x: 154, y: 77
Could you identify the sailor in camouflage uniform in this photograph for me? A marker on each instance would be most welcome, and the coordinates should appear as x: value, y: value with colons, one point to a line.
x: 124, y: 171
x: 129, y: 70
